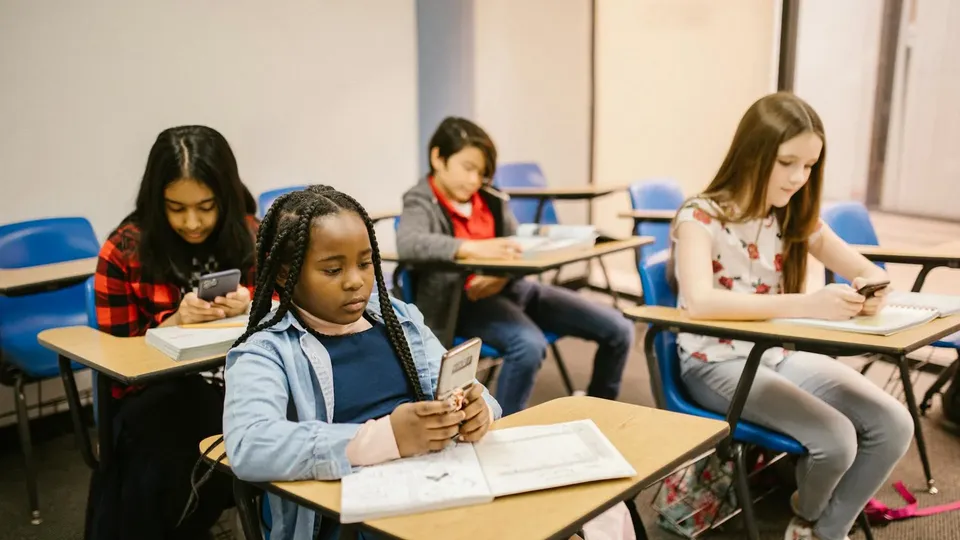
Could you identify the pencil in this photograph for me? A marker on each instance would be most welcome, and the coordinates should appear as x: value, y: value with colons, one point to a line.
x: 202, y: 326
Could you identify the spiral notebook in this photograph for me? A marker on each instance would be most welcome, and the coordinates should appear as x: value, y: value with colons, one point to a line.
x: 903, y: 310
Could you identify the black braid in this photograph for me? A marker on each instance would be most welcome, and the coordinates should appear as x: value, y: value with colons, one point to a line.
x: 289, y: 221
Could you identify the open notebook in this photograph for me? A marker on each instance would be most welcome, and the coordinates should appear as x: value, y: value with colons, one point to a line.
x: 505, y: 462
x: 903, y: 310
x: 553, y: 240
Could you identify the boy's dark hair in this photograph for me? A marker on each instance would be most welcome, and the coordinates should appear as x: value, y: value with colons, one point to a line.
x: 454, y: 134
x: 201, y: 153
x: 281, y: 248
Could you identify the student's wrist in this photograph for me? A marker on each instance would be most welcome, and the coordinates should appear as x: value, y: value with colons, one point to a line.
x: 800, y: 305
x: 463, y: 250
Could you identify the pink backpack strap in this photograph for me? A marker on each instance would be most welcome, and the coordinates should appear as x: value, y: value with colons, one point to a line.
x: 877, y: 511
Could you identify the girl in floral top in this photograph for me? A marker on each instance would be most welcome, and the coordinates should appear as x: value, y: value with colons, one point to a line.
x: 740, y: 253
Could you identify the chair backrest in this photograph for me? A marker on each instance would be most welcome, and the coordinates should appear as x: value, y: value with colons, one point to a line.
x: 401, y: 275
x: 46, y: 241
x: 655, y: 194
x: 525, y: 175
x: 657, y: 291
x: 90, y: 295
x: 851, y: 221
x: 267, y: 197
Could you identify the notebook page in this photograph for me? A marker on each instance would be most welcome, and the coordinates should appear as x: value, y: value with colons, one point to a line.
x: 890, y: 320
x: 943, y: 303
x: 435, y: 481
x: 532, y: 458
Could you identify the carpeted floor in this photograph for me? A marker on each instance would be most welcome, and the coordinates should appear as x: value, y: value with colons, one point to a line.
x: 63, y: 476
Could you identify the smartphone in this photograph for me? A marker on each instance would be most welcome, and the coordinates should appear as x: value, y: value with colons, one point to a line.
x: 458, y: 368
x: 218, y: 284
x: 868, y: 290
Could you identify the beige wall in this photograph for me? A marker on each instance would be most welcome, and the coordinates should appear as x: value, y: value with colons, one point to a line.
x: 532, y: 86
x: 305, y: 91
x: 673, y: 79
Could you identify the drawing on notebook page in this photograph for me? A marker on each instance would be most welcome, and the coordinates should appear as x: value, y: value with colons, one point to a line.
x: 505, y: 462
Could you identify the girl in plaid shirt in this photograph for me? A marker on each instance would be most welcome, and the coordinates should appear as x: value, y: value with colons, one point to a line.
x: 193, y: 216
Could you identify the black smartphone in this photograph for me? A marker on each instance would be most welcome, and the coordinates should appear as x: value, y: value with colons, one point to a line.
x: 868, y: 290
x: 218, y: 284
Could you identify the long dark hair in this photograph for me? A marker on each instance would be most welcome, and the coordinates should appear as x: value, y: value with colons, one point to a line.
x: 203, y: 154
x: 281, y: 248
x: 744, y: 176
x: 454, y: 134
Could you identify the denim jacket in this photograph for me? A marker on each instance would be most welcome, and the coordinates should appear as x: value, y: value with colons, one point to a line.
x: 287, y: 361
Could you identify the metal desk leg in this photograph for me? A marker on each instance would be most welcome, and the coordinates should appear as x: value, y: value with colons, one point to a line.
x: 246, y: 499
x: 653, y: 366
x: 740, y: 395
x: 541, y: 203
x: 921, y: 277
x: 105, y: 414
x: 911, y: 398
x: 76, y: 409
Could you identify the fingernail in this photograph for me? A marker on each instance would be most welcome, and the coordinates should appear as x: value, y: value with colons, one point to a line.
x: 460, y: 438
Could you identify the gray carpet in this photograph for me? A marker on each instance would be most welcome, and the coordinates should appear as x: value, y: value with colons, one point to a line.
x: 63, y: 476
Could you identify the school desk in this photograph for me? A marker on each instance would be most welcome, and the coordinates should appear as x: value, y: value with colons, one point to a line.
x: 380, y: 216
x: 648, y: 216
x: 765, y: 334
x: 125, y: 361
x: 544, y: 194
x: 928, y: 258
x: 655, y: 442
x: 15, y: 281
x: 515, y: 268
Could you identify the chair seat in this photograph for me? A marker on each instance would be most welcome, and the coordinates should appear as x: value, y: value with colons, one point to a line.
x: 746, y: 432
x: 487, y: 351
x: 950, y: 342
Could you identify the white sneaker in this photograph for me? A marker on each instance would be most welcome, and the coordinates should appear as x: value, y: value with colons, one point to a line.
x: 799, y: 529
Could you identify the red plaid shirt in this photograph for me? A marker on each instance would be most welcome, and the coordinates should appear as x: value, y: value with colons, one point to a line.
x: 128, y: 303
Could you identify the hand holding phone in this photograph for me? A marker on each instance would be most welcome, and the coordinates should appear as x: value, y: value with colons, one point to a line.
x: 870, y: 289
x: 458, y: 371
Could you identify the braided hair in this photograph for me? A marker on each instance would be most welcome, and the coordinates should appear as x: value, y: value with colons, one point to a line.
x: 283, y: 240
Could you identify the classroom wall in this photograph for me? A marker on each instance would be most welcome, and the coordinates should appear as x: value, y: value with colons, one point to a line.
x: 532, y: 87
x: 673, y: 79
x: 305, y: 91
x: 838, y: 45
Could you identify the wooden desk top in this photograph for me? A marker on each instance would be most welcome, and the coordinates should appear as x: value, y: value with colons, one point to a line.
x: 46, y: 274
x: 654, y: 442
x: 380, y: 216
x: 801, y: 337
x: 570, y: 193
x: 128, y: 360
x: 655, y: 216
x: 945, y: 255
x: 532, y: 265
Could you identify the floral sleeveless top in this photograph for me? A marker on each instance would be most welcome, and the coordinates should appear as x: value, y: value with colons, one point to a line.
x: 747, y: 258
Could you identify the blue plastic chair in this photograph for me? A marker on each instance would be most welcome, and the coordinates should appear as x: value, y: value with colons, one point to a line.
x: 404, y: 281
x: 265, y: 200
x: 33, y: 243
x: 657, y: 290
x: 654, y: 194
x: 525, y: 175
x: 851, y: 221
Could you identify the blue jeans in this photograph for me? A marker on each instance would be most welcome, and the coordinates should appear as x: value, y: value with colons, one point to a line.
x: 513, y: 322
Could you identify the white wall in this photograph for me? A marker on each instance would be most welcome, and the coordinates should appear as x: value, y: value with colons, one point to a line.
x: 674, y: 78
x: 532, y: 87
x: 838, y: 44
x: 306, y: 91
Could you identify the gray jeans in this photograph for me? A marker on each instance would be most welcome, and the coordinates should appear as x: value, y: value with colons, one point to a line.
x: 853, y: 431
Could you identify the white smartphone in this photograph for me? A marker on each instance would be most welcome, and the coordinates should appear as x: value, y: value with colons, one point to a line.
x: 458, y: 369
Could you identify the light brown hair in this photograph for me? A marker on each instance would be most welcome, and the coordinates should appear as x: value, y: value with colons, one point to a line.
x: 739, y: 188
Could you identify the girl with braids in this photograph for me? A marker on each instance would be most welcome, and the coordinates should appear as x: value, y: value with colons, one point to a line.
x: 193, y: 215
x: 740, y: 250
x: 339, y: 375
